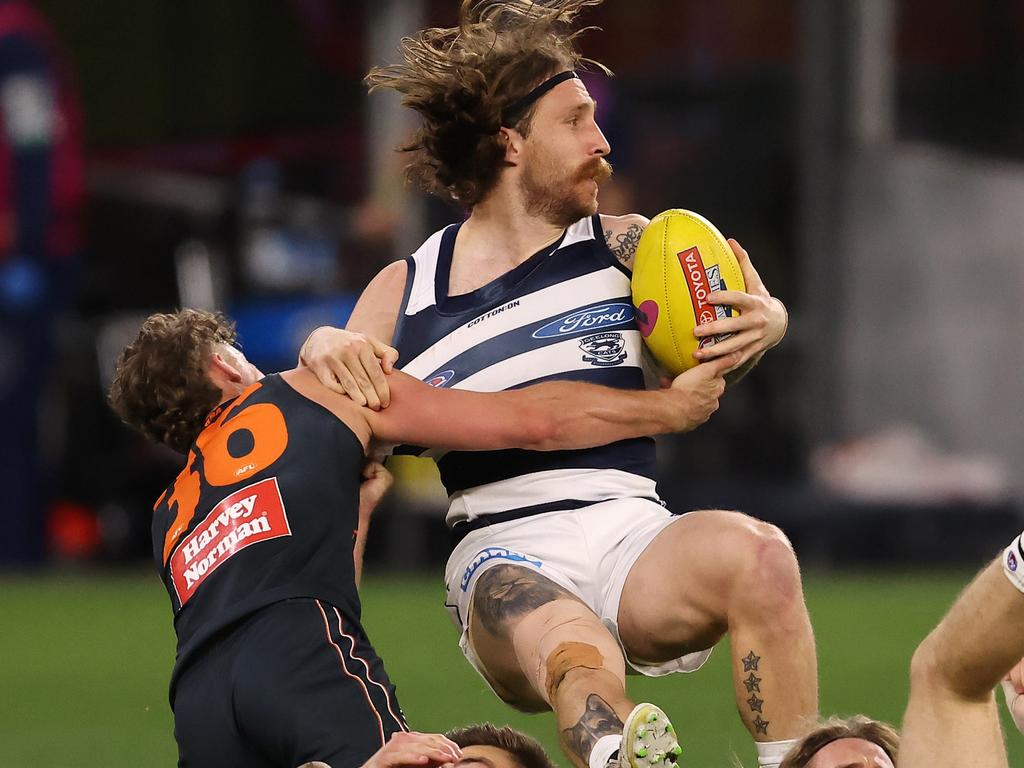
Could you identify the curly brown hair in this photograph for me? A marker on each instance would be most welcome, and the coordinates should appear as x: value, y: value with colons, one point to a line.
x: 833, y: 729
x: 462, y: 80
x: 525, y: 750
x: 160, y: 386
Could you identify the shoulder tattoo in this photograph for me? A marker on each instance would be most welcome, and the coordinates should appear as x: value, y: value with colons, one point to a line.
x: 623, y: 245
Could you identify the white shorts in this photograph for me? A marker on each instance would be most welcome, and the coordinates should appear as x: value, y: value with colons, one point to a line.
x: 587, y: 551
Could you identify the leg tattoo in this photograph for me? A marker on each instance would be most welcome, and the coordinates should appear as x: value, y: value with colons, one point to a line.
x: 753, y: 685
x: 597, y: 720
x: 508, y: 592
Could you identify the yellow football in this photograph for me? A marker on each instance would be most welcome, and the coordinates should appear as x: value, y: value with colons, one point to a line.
x: 680, y: 261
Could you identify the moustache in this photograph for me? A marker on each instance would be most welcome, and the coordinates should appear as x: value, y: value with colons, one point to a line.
x: 599, y: 169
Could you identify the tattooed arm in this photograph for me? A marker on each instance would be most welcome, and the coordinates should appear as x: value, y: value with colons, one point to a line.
x: 622, y: 233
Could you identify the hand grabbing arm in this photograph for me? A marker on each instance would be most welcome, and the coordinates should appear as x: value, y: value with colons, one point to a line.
x: 351, y: 364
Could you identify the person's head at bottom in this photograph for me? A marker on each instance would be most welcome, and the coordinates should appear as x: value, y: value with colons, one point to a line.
x: 853, y: 742
x: 488, y: 746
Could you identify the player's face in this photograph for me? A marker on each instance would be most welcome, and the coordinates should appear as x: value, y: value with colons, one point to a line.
x: 851, y: 753
x: 480, y: 756
x: 563, y: 161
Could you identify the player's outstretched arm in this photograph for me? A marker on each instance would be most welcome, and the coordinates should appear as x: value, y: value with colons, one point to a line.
x: 547, y: 417
x: 415, y: 749
x: 952, y: 719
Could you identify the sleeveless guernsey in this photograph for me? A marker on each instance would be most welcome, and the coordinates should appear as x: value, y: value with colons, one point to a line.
x: 564, y: 314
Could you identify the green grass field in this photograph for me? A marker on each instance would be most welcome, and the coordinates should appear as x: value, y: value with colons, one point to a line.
x: 84, y: 661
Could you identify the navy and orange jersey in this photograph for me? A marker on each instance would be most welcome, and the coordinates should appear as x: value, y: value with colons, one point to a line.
x: 265, y: 510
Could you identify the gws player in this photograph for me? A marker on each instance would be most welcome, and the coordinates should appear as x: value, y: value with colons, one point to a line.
x: 534, y: 286
x: 254, y: 539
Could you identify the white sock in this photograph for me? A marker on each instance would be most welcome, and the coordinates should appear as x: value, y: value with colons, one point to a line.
x: 603, y: 749
x: 770, y: 753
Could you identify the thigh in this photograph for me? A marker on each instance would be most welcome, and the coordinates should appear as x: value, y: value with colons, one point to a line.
x: 676, y: 596
x: 308, y: 686
x: 521, y: 622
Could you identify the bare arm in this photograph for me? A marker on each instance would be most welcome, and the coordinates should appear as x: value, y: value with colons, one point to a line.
x: 622, y: 233
x: 952, y: 718
x: 546, y: 417
x: 376, y: 482
x: 376, y: 312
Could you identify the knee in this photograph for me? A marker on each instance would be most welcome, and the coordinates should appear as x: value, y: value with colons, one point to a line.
x: 767, y: 575
x: 569, y: 657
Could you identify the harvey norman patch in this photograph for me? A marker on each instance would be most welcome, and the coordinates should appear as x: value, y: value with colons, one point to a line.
x: 248, y: 516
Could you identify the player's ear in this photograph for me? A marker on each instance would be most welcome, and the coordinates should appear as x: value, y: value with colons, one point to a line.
x: 220, y: 369
x: 513, y: 145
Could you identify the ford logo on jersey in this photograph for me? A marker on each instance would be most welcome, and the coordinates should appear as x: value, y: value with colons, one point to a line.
x: 588, y: 319
x: 440, y: 379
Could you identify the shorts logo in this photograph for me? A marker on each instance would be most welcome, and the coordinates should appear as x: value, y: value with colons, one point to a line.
x: 492, y: 553
x: 1011, y: 561
x: 603, y: 349
x: 247, y: 516
x: 440, y: 379
x: 590, y: 318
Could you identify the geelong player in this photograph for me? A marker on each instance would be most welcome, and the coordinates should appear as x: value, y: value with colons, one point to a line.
x: 534, y: 285
x: 254, y: 539
x: 951, y: 719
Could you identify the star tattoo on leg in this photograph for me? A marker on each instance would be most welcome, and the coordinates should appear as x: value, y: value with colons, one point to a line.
x: 750, y: 661
x: 753, y: 683
x: 755, y: 703
x: 761, y: 725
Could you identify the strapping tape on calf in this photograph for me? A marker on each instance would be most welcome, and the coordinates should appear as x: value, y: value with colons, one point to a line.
x: 567, y: 657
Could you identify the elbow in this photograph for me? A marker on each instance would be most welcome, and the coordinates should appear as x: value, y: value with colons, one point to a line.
x: 540, y: 431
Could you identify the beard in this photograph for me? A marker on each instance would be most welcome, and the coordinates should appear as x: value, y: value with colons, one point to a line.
x: 551, y: 194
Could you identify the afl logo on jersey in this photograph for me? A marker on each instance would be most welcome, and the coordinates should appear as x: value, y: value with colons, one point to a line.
x: 603, y: 349
x: 590, y: 318
x: 440, y: 379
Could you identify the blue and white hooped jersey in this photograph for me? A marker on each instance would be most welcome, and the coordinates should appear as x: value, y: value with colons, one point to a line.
x: 565, y: 313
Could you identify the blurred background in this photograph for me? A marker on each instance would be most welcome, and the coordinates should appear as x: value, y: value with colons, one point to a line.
x: 869, y: 154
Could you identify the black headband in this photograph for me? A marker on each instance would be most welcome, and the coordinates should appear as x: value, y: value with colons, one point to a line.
x: 519, y: 106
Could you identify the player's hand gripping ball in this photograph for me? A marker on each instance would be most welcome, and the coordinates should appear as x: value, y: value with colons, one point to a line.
x: 680, y: 261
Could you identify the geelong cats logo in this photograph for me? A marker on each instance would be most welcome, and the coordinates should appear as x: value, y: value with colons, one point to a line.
x: 603, y: 349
